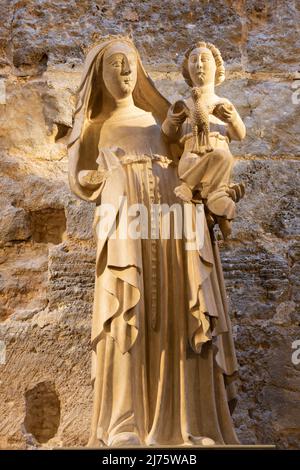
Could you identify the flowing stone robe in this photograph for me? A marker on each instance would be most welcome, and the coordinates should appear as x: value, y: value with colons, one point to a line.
x: 163, y: 357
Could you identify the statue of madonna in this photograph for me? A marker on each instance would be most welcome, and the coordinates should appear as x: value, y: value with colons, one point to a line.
x: 163, y: 366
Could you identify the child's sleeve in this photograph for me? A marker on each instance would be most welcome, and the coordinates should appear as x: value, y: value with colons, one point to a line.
x: 172, y: 125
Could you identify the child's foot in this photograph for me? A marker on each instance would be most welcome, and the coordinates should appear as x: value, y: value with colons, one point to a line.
x: 184, y: 192
x: 236, y: 191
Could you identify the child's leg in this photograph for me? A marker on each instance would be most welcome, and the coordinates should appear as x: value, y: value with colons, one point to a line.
x: 210, y: 173
x: 217, y: 172
x: 189, y: 174
x: 192, y: 168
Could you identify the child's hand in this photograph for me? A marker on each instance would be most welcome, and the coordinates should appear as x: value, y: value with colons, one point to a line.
x: 177, y: 113
x: 226, y: 112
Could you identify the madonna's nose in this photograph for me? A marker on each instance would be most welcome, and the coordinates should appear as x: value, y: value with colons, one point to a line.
x: 126, y: 70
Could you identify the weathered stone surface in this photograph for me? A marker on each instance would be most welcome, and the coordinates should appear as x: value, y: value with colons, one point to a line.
x: 69, y: 263
x: 25, y: 128
x: 14, y: 224
x: 271, y: 35
x: 254, y: 35
x: 48, y: 347
x: 265, y: 311
x: 271, y: 206
x: 47, y: 250
x: 23, y: 281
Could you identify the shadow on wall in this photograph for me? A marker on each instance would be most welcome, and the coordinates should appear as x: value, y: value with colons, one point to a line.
x: 42, y: 412
x: 48, y: 225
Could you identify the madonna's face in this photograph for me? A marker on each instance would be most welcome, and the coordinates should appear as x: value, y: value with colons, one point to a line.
x: 120, y: 70
x: 202, y: 66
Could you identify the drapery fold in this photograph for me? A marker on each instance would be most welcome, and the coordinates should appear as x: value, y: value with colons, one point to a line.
x: 192, y: 324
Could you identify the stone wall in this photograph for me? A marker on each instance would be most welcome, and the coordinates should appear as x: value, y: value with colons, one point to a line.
x: 47, y: 252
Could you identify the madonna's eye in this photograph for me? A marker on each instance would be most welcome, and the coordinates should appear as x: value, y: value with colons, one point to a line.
x: 117, y: 63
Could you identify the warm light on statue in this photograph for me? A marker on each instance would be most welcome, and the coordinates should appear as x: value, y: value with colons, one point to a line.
x: 164, y: 364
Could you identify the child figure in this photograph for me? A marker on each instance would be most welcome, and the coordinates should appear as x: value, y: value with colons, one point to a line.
x: 204, y: 126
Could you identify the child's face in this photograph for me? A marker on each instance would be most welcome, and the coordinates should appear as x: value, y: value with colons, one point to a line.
x: 202, y: 66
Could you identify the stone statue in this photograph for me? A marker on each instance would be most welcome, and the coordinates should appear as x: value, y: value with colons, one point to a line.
x: 164, y: 365
x: 204, y: 126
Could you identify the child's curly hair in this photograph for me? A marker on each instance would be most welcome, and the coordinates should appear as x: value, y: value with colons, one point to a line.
x: 220, y: 71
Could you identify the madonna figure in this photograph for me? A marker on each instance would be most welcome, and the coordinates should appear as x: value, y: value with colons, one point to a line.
x: 164, y: 365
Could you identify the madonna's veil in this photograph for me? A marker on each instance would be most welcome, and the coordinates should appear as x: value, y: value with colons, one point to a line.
x: 84, y: 138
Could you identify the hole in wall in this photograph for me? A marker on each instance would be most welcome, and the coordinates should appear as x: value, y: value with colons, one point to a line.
x: 48, y: 226
x: 44, y: 60
x: 42, y: 411
x: 62, y: 131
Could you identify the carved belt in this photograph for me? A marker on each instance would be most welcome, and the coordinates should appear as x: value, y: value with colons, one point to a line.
x: 214, y: 134
x: 164, y: 161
